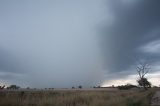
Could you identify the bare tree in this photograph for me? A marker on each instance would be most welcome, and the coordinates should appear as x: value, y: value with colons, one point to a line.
x: 2, y: 87
x: 143, y: 68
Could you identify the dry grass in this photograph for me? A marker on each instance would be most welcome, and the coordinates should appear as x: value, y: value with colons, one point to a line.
x: 76, y: 98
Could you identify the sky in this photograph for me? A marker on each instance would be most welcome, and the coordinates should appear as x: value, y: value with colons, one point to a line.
x: 59, y: 43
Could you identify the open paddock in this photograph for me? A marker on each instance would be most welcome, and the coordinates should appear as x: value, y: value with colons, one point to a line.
x: 76, y: 97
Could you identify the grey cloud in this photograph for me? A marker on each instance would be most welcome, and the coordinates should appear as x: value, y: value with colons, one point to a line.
x: 9, y: 63
x: 58, y: 44
x: 52, y: 43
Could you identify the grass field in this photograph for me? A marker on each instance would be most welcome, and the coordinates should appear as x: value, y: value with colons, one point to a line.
x: 76, y: 98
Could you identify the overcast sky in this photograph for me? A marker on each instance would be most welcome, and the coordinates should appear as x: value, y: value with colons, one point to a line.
x: 59, y: 43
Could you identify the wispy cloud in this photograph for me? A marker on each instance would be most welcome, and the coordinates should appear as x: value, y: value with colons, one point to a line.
x: 152, y: 47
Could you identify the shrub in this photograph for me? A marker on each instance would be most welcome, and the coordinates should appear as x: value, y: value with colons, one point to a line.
x: 126, y: 87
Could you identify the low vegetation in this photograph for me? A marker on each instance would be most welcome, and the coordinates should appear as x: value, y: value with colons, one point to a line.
x: 76, y: 98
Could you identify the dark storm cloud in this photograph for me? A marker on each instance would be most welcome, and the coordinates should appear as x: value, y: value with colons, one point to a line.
x: 132, y: 27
